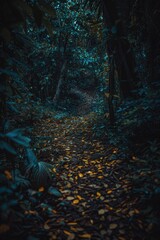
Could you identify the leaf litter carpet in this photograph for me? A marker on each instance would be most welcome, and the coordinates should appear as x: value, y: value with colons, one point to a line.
x: 94, y: 198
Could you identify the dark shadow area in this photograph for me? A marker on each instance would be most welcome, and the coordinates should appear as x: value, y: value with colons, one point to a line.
x: 79, y: 119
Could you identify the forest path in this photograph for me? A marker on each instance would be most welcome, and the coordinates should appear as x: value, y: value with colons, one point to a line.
x: 97, y: 200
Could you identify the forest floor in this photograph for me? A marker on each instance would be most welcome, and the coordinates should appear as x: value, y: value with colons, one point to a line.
x: 95, y: 197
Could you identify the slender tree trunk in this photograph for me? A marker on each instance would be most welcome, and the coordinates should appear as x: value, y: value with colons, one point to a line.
x: 111, y: 91
x: 60, y: 81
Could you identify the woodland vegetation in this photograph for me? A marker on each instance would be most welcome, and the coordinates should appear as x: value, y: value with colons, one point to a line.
x: 80, y: 119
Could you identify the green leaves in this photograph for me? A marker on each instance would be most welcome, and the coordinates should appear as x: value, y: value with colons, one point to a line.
x: 54, y: 192
x: 17, y: 137
x: 5, y: 146
x: 40, y: 173
x: 31, y: 156
x: 8, y: 141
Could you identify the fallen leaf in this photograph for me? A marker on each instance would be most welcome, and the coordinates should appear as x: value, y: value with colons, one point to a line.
x: 113, y: 226
x: 109, y: 191
x: 98, y: 194
x: 72, y: 223
x: 67, y: 233
x: 8, y: 175
x: 79, y: 197
x: 86, y: 235
x: 41, y: 189
x: 102, y: 198
x: 70, y: 198
x: 46, y: 226
x: 54, y: 192
x: 103, y: 232
x: 101, y: 211
x: 71, y: 237
x: 76, y: 201
x: 80, y: 175
x: 121, y: 238
x: 4, y: 228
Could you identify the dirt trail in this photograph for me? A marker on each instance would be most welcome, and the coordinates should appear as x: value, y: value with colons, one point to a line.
x: 97, y: 200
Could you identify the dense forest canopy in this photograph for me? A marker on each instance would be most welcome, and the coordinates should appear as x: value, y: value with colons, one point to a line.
x: 79, y: 81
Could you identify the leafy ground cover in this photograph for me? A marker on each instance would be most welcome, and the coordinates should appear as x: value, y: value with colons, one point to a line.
x: 97, y: 192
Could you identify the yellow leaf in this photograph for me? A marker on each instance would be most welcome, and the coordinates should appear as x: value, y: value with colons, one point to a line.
x: 76, y: 201
x: 109, y: 191
x: 41, y: 189
x: 70, y: 198
x: 86, y: 235
x: 101, y: 211
x: 79, y: 197
x: 100, y: 177
x: 72, y: 223
x: 67, y: 233
x: 80, y: 175
x: 102, y: 198
x: 113, y: 226
x: 68, y: 185
x: 98, y: 194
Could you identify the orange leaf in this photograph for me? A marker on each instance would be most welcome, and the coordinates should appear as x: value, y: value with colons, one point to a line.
x: 79, y: 197
x: 41, y: 189
x: 8, y: 175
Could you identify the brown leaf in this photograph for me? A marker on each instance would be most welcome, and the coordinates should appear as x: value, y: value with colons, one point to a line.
x: 8, y: 175
x: 71, y: 236
x: 46, y: 226
x: 4, y: 228
x: 113, y: 226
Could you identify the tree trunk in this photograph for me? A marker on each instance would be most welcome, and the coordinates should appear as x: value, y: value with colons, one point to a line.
x: 111, y: 92
x: 118, y: 45
x: 60, y: 81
